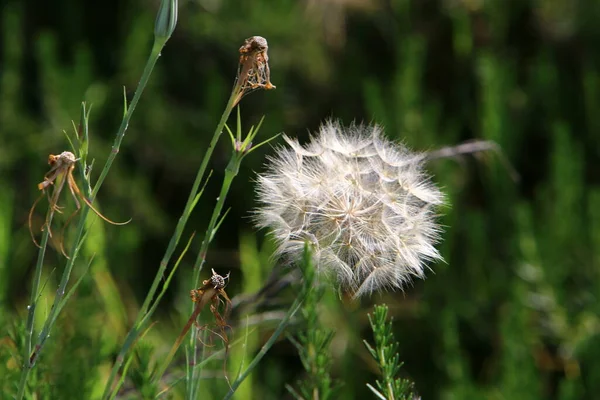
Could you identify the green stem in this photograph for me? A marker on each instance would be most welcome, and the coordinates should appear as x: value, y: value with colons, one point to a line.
x: 60, y: 292
x: 143, y: 315
x: 267, y: 346
x: 230, y: 173
x: 57, y: 306
x: 152, y: 59
x: 155, y: 53
x: 206, y: 297
x: 27, y: 364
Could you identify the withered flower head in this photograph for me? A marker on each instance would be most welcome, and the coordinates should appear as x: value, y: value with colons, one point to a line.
x: 212, y: 292
x: 253, y: 71
x: 61, y: 174
x: 216, y: 283
x: 60, y: 163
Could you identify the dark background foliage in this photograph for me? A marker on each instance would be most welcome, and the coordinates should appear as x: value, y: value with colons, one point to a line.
x: 512, y: 314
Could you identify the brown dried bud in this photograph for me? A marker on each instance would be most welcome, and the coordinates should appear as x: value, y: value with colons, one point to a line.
x: 253, y: 72
x: 60, y: 163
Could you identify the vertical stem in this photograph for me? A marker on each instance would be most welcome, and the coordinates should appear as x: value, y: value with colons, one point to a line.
x: 230, y: 173
x: 27, y: 364
x: 267, y: 346
x: 60, y: 292
x: 155, y: 53
x: 50, y: 320
x: 143, y: 315
x: 152, y: 59
x: 207, y: 295
x: 188, y: 208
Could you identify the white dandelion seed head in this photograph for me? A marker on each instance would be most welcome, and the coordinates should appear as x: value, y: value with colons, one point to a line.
x: 363, y: 202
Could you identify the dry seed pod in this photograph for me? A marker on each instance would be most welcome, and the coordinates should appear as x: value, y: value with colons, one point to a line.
x: 253, y: 71
x: 62, y: 172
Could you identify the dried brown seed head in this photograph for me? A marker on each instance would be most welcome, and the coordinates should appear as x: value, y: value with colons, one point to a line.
x: 217, y: 281
x: 252, y: 44
x: 253, y: 72
x: 61, y: 172
x: 64, y: 158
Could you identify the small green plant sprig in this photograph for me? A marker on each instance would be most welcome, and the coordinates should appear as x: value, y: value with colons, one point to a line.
x: 385, y: 354
x: 313, y: 348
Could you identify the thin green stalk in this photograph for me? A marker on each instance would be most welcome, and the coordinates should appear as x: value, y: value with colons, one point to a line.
x: 241, y: 148
x: 152, y: 59
x: 154, y: 55
x: 28, y: 356
x: 144, y: 314
x: 206, y: 298
x: 230, y: 173
x: 306, y: 291
x: 267, y: 346
x: 196, y: 366
x: 56, y: 307
x: 60, y: 292
x: 27, y: 364
x: 160, y: 295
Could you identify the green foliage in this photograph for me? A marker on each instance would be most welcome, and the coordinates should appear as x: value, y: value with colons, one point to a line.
x: 142, y: 370
x: 313, y: 344
x: 385, y: 353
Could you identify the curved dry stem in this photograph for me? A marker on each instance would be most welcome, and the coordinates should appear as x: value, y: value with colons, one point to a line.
x: 62, y: 232
x: 53, y: 200
x: 30, y: 218
x: 75, y: 188
x: 50, y: 177
x: 202, y: 299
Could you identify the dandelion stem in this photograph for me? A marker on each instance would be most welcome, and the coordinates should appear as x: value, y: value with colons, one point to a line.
x: 267, y: 346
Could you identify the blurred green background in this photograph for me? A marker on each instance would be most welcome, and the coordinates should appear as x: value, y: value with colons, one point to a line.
x: 514, y: 311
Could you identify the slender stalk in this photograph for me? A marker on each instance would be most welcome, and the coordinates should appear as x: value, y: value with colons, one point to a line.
x: 27, y: 364
x: 152, y: 59
x: 307, y: 288
x: 206, y: 297
x: 241, y: 148
x: 230, y: 173
x: 56, y: 307
x: 60, y: 292
x: 144, y: 315
x: 267, y: 346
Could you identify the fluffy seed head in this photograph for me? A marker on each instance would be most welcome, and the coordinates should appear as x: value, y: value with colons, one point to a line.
x: 363, y: 202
